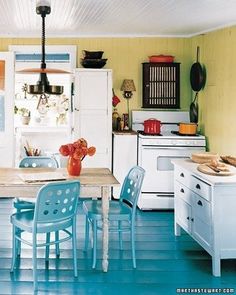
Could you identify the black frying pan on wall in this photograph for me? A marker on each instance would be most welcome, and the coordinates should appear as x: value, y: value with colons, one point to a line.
x: 197, y: 75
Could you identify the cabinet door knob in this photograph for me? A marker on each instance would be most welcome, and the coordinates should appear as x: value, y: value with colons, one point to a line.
x: 182, y: 190
x: 192, y: 219
x: 182, y: 174
x: 199, y: 203
x: 76, y: 109
x: 188, y: 218
x: 198, y: 186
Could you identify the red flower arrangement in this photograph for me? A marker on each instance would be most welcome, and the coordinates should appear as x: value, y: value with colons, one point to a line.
x: 77, y: 150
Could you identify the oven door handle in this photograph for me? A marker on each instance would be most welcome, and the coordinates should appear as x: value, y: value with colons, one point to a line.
x: 169, y: 148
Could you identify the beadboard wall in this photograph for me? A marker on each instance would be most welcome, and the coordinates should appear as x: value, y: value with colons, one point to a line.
x: 217, y: 101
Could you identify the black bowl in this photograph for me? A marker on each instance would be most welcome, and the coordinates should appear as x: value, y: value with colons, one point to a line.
x: 93, y: 63
x: 92, y: 54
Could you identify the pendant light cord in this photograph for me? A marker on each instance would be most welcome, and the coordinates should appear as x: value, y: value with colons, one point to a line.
x: 43, y: 64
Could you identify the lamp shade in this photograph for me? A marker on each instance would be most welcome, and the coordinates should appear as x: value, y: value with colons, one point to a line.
x: 128, y: 85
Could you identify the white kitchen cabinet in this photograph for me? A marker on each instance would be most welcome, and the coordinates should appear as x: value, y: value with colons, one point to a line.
x: 205, y: 209
x: 93, y: 113
x: 124, y: 156
x: 193, y: 213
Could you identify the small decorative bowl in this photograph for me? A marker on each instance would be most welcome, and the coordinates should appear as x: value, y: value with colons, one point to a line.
x: 92, y: 54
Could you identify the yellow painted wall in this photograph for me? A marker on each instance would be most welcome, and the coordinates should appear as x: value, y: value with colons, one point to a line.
x: 125, y: 56
x: 217, y: 101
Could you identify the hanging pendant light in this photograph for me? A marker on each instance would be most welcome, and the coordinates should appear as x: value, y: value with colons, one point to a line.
x: 43, y: 85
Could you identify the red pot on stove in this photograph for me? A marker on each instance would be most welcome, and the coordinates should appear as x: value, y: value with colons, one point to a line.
x: 152, y: 126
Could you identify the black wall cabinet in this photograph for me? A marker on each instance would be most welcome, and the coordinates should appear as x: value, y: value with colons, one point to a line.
x: 161, y: 85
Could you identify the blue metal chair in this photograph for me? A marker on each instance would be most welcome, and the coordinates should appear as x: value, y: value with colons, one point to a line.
x: 55, y: 210
x: 38, y: 162
x: 34, y: 162
x: 121, y: 215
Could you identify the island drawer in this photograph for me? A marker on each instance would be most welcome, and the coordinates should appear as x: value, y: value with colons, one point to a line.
x: 181, y: 191
x: 201, y: 188
x: 183, y: 176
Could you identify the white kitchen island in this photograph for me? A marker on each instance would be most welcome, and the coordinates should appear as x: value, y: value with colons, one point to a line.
x: 205, y: 207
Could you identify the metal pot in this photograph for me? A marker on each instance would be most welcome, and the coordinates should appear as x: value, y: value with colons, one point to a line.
x: 161, y: 58
x: 188, y: 128
x: 152, y: 126
x: 197, y: 75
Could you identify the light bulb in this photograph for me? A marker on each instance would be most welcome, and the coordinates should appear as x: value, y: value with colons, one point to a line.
x: 43, y: 3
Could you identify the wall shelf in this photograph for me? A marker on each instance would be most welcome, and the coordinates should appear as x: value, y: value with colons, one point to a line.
x: 39, y: 129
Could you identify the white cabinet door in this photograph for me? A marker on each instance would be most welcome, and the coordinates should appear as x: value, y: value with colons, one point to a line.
x: 124, y: 157
x: 92, y: 113
x: 6, y: 109
x: 183, y: 214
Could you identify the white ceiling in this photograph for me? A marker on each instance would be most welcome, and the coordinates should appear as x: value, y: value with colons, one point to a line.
x: 117, y: 18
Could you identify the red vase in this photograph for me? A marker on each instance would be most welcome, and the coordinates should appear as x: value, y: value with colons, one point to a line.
x: 73, y: 166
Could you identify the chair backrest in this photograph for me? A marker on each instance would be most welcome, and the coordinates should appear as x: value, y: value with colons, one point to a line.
x: 57, y: 201
x: 38, y: 162
x: 131, y: 187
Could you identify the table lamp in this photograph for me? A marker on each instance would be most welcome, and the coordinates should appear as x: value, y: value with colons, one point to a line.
x: 128, y: 87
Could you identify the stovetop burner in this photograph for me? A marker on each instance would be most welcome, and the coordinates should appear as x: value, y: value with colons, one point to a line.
x: 181, y: 134
x: 148, y: 134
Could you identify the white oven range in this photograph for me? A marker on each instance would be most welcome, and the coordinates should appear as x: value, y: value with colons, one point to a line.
x: 155, y: 153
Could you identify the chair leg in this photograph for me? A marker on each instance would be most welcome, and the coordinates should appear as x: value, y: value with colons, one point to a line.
x: 35, y: 262
x: 14, y: 248
x: 94, y: 243
x: 86, y: 241
x: 47, y: 249
x: 120, y: 235
x: 19, y: 235
x: 74, y: 248
x: 133, y: 245
x: 57, y: 244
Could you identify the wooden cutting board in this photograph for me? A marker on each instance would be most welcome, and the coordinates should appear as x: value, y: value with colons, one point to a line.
x: 207, y: 170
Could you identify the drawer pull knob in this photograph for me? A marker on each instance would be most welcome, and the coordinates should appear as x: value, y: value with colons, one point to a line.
x: 192, y: 219
x: 182, y: 190
x: 198, y: 186
x: 182, y: 174
x: 199, y: 203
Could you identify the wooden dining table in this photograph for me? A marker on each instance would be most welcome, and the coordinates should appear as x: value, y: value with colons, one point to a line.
x: 95, y: 182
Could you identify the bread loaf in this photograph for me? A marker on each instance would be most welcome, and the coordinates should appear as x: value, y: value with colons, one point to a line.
x: 229, y: 160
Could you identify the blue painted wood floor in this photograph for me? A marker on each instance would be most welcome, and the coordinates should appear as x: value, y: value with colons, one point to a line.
x: 165, y: 263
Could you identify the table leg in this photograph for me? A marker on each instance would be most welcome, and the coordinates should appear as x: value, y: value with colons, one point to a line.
x: 105, y: 241
x: 216, y: 266
x: 177, y: 229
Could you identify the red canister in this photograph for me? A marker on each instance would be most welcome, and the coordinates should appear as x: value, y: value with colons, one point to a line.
x: 152, y: 126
